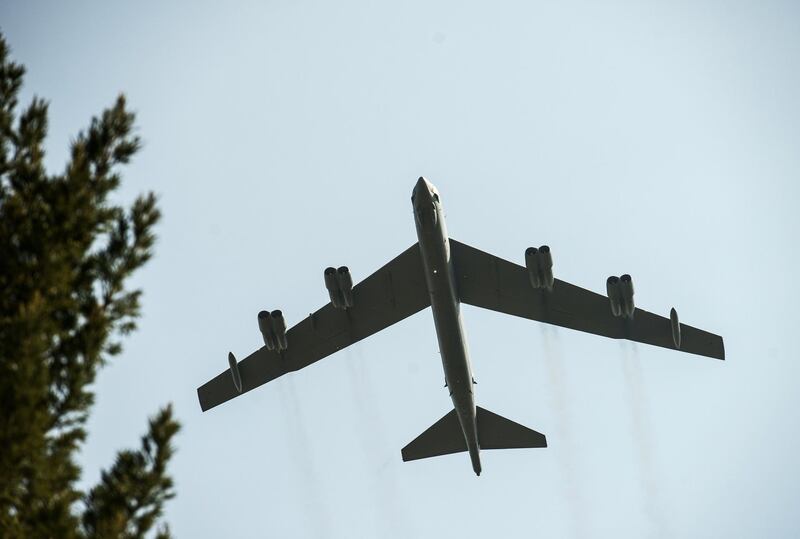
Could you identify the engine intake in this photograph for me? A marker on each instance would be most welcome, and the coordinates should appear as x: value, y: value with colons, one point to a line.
x: 539, y: 263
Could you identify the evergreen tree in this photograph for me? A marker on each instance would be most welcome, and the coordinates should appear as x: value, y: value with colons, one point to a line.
x: 66, y: 253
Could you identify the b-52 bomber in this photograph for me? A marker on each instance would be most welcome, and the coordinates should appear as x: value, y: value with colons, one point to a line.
x: 441, y: 273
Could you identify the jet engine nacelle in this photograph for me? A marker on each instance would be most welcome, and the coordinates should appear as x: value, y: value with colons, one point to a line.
x: 273, y: 329
x: 340, y: 287
x: 626, y: 287
x: 332, y: 284
x: 265, y: 327
x: 279, y: 329
x: 612, y: 289
x: 620, y: 295
x: 539, y: 263
x: 345, y: 285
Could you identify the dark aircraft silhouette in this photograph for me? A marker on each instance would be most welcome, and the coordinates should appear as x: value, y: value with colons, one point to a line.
x: 441, y: 273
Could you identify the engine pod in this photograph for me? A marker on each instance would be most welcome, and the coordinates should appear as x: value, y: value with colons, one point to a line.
x: 614, y: 295
x: 265, y: 327
x: 345, y: 286
x: 546, y: 267
x: 539, y: 264
x: 332, y: 285
x: 626, y: 292
x: 532, y: 265
x: 279, y: 329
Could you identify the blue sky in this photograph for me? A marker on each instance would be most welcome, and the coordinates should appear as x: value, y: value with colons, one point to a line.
x: 654, y: 138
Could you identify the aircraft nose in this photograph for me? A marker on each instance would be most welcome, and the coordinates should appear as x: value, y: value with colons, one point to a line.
x: 422, y: 185
x: 422, y: 189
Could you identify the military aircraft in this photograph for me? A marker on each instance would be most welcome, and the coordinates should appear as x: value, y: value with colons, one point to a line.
x: 441, y: 273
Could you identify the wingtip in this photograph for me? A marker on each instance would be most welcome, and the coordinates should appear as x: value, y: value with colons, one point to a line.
x: 200, y: 399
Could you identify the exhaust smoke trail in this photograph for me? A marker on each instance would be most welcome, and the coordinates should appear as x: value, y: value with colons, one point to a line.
x: 372, y: 437
x: 566, y: 455
x: 317, y: 514
x: 640, y: 423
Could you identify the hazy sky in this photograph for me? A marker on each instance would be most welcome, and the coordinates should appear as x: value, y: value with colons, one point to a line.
x: 658, y: 139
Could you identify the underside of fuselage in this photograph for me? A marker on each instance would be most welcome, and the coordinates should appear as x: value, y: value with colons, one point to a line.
x: 467, y: 427
x: 445, y: 306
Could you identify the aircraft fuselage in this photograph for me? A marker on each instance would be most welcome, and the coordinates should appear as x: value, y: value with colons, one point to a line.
x: 445, y: 305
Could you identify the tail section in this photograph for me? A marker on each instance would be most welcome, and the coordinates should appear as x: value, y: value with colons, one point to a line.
x: 494, y: 432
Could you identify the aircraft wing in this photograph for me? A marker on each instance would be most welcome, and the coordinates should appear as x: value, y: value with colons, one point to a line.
x: 394, y: 292
x: 490, y: 282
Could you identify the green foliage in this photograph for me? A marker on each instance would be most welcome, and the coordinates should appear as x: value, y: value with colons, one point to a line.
x: 66, y: 253
x: 131, y: 495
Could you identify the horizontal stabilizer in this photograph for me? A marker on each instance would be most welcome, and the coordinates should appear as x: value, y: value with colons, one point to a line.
x: 494, y: 432
x: 442, y: 438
